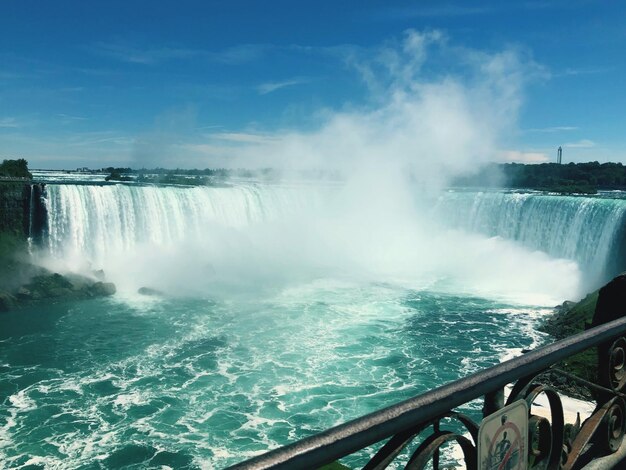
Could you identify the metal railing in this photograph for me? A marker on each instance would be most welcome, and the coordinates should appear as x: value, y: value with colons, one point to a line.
x: 552, y: 444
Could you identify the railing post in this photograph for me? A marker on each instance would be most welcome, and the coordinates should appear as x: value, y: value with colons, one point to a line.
x: 493, y: 402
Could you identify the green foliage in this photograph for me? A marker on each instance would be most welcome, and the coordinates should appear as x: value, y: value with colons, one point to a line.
x: 163, y: 174
x: 15, y: 169
x: 173, y: 178
x: 584, y: 178
x: 116, y: 175
x: 111, y: 169
x: 583, y: 365
x: 571, y: 319
x: 206, y: 177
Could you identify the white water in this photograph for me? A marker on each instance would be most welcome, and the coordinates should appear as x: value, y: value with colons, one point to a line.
x: 101, y: 221
x: 202, y: 239
x: 587, y: 230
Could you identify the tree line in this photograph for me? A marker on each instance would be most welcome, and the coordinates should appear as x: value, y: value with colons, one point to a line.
x: 585, y: 178
x: 15, y: 169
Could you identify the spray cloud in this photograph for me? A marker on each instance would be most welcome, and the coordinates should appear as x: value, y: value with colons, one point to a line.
x: 423, y: 125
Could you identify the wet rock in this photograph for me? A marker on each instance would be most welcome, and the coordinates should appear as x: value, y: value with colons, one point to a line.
x: 48, y: 286
x: 7, y: 301
x: 611, y: 301
x: 54, y: 286
x: 571, y: 317
x: 79, y: 283
x: 37, y: 295
x: 60, y: 292
x: 149, y: 291
x: 565, y: 306
x: 103, y: 288
x: 23, y: 294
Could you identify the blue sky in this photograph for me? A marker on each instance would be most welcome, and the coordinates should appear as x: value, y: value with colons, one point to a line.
x: 192, y: 83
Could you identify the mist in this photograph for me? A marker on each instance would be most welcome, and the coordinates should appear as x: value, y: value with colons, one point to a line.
x: 419, y: 130
x: 433, y: 111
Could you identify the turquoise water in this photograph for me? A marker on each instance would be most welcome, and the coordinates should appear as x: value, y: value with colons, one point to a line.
x: 285, y: 309
x: 204, y: 383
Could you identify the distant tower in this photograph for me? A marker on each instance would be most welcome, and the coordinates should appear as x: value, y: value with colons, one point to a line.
x: 559, y: 155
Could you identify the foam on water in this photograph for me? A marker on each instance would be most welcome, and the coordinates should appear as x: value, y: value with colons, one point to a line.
x: 217, y: 382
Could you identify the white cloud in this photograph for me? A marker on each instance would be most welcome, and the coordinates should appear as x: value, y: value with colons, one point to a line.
x: 418, y: 126
x: 591, y: 71
x: 240, y: 54
x: 146, y: 56
x: 9, y: 122
x: 136, y: 54
x: 243, y: 137
x: 395, y: 65
x: 270, y: 87
x: 69, y: 150
x: 553, y: 129
x: 70, y: 119
x: 584, y: 143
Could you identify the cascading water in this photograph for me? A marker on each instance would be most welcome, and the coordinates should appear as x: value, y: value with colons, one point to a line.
x: 99, y: 219
x: 31, y: 215
x: 587, y: 230
x: 98, y: 223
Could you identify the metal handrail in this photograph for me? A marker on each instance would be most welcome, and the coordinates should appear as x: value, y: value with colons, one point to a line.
x: 340, y: 441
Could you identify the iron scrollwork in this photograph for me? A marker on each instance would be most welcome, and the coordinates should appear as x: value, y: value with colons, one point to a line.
x: 430, y: 447
x: 556, y: 445
x: 553, y: 444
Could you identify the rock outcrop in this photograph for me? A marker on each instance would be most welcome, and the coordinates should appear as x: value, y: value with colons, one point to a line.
x: 601, y: 306
x: 14, y: 208
x: 571, y: 317
x: 22, y: 215
x: 47, y: 286
x: 604, y: 305
x: 148, y: 291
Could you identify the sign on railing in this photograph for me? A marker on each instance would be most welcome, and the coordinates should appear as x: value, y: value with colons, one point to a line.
x: 503, y: 439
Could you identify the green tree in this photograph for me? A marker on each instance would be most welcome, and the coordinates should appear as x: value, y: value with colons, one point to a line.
x: 15, y: 169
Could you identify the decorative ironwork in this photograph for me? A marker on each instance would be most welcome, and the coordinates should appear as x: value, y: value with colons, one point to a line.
x: 552, y: 444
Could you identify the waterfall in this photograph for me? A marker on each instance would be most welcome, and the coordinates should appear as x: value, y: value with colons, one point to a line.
x: 587, y: 230
x: 31, y: 214
x: 98, y: 221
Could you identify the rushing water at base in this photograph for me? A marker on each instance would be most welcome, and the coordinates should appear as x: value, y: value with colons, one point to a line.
x: 202, y: 383
x: 297, y: 315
